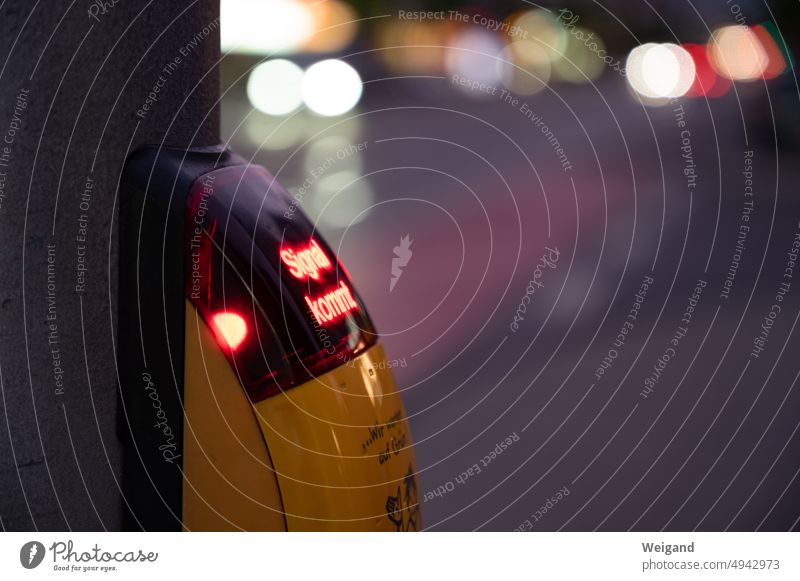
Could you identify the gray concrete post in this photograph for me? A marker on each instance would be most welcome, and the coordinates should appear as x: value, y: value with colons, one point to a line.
x: 82, y: 83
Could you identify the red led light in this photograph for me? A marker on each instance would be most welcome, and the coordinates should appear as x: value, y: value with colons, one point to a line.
x: 306, y: 262
x: 332, y: 305
x: 231, y: 329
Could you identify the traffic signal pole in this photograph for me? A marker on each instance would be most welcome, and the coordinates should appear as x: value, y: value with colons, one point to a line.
x: 82, y: 85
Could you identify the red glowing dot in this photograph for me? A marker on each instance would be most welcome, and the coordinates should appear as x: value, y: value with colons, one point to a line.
x: 231, y: 329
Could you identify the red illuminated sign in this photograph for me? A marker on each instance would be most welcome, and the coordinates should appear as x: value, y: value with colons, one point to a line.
x: 307, y: 262
x: 332, y: 305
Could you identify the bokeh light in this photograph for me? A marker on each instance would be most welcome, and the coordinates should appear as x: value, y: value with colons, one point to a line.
x: 580, y: 63
x: 524, y: 67
x: 331, y: 87
x: 472, y: 55
x: 275, y: 87
x: 707, y: 83
x: 274, y: 133
x: 413, y: 47
x: 264, y: 27
x: 776, y: 60
x: 337, y: 150
x: 340, y: 199
x: 335, y: 26
x: 736, y: 53
x: 660, y: 71
x: 542, y: 28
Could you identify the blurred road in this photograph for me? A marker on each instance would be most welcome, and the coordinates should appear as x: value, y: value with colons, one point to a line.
x: 521, y: 424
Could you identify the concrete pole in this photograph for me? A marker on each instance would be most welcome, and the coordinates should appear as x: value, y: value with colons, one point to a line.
x: 81, y: 84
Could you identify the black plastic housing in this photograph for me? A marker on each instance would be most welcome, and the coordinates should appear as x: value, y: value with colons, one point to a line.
x: 206, y: 226
x: 150, y: 351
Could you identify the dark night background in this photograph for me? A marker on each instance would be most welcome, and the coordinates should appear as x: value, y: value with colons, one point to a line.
x: 481, y: 190
x: 482, y: 194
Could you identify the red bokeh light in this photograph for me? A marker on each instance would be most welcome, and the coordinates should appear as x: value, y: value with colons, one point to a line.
x: 707, y: 83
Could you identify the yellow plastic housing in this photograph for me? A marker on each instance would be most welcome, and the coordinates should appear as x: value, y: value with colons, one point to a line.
x: 333, y: 454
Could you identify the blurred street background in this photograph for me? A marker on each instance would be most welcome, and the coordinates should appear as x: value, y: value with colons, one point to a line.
x: 507, y: 182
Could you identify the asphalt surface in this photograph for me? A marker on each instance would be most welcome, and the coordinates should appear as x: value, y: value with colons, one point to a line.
x: 574, y: 351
